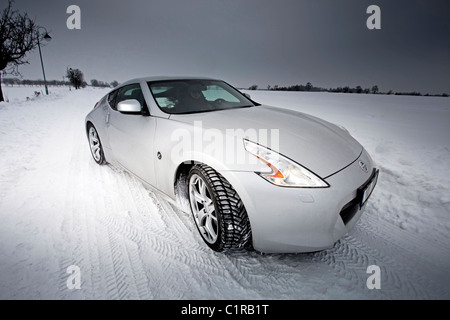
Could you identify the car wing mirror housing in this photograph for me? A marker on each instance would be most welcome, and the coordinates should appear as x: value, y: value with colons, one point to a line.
x: 131, y: 106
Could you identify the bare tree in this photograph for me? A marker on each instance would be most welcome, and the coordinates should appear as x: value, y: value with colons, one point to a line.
x: 19, y: 35
x: 375, y: 89
x: 76, y: 78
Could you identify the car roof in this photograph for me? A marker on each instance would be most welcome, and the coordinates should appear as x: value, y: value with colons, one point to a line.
x: 164, y: 78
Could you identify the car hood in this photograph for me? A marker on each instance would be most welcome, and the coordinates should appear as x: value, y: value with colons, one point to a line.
x: 320, y: 146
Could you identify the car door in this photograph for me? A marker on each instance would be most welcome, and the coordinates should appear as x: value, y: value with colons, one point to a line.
x: 131, y: 136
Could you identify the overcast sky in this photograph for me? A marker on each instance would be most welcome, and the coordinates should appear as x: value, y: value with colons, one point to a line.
x: 245, y: 42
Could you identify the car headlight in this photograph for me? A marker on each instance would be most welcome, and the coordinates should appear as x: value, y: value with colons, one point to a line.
x: 285, y: 172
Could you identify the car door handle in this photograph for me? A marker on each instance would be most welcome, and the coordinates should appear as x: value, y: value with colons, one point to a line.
x: 107, y: 118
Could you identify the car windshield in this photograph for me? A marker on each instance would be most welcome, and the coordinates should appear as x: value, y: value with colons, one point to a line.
x: 192, y: 96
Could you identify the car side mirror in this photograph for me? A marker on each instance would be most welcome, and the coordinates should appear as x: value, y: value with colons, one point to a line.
x: 247, y: 96
x: 130, y: 106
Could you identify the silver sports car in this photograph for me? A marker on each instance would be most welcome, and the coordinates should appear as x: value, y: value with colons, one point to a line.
x: 253, y: 176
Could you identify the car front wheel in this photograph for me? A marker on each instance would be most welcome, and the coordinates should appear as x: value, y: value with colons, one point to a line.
x: 217, y: 209
x: 95, y: 145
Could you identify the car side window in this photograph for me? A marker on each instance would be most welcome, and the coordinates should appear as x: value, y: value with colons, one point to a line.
x: 112, y: 99
x: 132, y: 91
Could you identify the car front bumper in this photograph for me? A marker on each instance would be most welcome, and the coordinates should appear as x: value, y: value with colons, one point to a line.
x: 301, y: 219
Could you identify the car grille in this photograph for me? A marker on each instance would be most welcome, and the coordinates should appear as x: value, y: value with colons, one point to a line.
x: 349, y: 210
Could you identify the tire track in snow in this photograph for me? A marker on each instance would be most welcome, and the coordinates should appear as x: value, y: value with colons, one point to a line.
x: 225, y: 264
x: 164, y: 231
x: 239, y: 267
x: 74, y: 225
x: 127, y: 279
x: 163, y: 251
x: 424, y: 264
x: 351, y: 256
x: 231, y: 265
x: 349, y: 261
x: 199, y: 259
x: 109, y: 267
x: 143, y: 226
x: 86, y: 240
x: 125, y: 276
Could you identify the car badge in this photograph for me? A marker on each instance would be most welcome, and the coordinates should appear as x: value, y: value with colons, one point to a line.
x: 363, y: 166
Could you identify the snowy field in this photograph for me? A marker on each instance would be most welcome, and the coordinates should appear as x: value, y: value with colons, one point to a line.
x: 58, y: 208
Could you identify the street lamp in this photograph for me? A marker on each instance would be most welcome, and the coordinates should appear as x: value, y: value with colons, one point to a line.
x: 68, y: 68
x: 46, y: 37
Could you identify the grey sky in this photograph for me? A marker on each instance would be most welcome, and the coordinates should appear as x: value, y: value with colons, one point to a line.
x: 245, y: 42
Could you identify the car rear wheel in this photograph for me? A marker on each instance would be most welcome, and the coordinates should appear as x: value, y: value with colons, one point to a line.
x: 95, y: 145
x: 217, y: 209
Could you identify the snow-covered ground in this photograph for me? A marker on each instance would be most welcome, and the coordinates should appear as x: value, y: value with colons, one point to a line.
x: 58, y: 208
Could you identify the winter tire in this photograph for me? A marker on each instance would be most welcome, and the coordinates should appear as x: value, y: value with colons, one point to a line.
x: 217, y: 209
x: 95, y: 145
